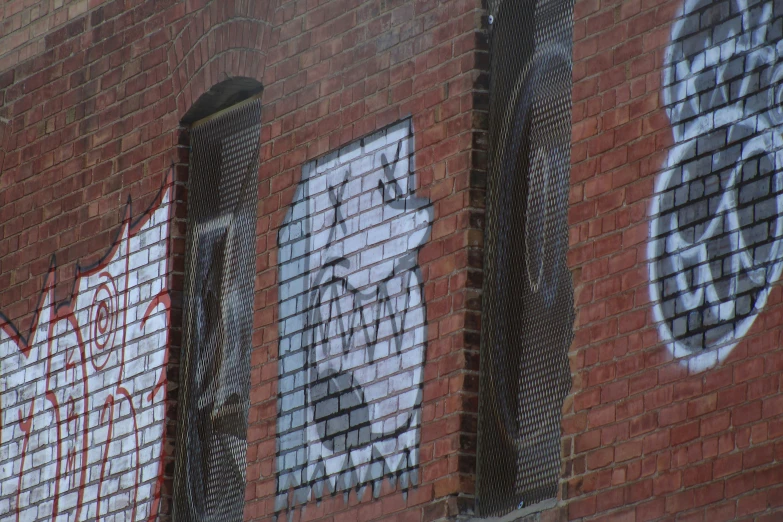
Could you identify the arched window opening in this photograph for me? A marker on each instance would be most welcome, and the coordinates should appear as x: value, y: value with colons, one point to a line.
x: 211, y: 446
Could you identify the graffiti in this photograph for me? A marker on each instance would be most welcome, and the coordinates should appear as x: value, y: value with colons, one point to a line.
x: 351, y: 321
x: 716, y: 229
x: 82, y: 394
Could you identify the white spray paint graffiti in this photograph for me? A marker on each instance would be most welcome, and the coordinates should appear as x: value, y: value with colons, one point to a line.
x: 83, y: 394
x: 716, y: 242
x: 352, y: 321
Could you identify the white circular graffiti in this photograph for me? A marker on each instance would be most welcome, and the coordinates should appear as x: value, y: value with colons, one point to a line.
x: 715, y: 245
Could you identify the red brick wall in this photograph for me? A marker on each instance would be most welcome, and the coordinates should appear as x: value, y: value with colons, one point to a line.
x: 335, y: 73
x: 647, y: 436
x: 91, y: 95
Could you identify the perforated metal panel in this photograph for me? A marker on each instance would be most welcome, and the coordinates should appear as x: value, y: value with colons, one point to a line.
x: 528, y: 295
x: 218, y: 312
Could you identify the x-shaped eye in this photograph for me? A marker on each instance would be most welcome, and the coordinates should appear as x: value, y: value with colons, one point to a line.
x: 397, y: 196
x: 337, y: 199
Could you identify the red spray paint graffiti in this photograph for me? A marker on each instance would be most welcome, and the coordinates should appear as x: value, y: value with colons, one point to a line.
x: 82, y: 395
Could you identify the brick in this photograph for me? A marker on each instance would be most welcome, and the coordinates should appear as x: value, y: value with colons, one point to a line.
x: 721, y: 512
x: 715, y: 423
x: 601, y: 416
x: 673, y: 414
x: 702, y: 405
x: 748, y: 370
x: 739, y: 484
x: 768, y: 476
x: 708, y: 494
x: 698, y: 474
x: 581, y: 508
x: 666, y: 483
x: 758, y: 456
x: 772, y: 407
x: 748, y: 413
x: 650, y: 510
x: 643, y: 424
x: 628, y: 451
x: 680, y: 502
x: 732, y: 396
x: 752, y: 503
x: 587, y: 441
x: 656, y: 441
x: 727, y: 466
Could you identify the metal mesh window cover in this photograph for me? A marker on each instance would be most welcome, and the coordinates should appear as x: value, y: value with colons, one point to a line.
x: 527, y: 319
x: 217, y: 317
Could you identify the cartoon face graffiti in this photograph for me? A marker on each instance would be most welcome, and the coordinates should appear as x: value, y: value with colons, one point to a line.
x: 82, y: 396
x: 716, y: 230
x: 352, y: 320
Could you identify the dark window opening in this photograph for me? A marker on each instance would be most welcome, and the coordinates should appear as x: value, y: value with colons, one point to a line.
x: 527, y: 318
x: 210, y: 462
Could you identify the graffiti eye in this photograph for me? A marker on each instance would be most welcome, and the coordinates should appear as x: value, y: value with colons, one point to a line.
x: 393, y: 194
x: 103, y: 317
x: 390, y: 191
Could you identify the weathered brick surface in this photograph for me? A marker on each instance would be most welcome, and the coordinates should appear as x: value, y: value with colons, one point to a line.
x: 657, y: 429
x: 84, y: 392
x: 91, y: 96
x: 336, y: 73
x: 89, y: 112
